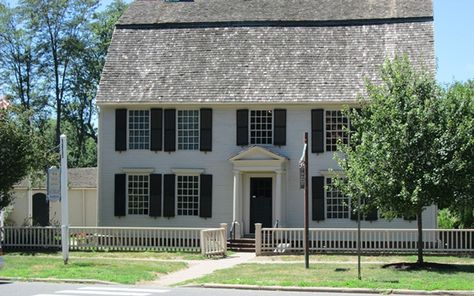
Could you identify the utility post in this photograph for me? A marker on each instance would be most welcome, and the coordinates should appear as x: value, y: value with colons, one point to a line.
x: 64, y: 200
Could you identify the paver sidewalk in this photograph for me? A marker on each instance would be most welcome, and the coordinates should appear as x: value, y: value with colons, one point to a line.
x: 200, y: 268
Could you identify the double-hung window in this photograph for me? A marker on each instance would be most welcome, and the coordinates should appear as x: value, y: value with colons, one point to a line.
x: 188, y: 129
x: 187, y: 195
x: 336, y: 129
x: 139, y: 129
x: 337, y: 204
x: 138, y: 194
x: 261, y: 131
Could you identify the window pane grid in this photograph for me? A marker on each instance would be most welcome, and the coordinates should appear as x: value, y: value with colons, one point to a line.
x: 336, y: 125
x: 188, y: 129
x: 188, y: 195
x: 337, y: 204
x: 138, y: 194
x: 139, y: 129
x: 261, y: 127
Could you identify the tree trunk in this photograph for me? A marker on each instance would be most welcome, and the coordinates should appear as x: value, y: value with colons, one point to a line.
x: 420, y: 237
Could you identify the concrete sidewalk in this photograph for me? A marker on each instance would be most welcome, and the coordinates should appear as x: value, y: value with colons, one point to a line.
x: 200, y: 268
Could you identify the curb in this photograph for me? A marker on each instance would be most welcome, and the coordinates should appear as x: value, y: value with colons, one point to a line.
x: 334, y: 290
x: 50, y: 280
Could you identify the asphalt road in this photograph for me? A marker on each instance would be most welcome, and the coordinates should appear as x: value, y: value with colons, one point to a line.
x: 53, y: 289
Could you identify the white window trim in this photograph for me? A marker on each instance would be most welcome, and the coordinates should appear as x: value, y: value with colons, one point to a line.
x: 250, y: 122
x: 199, y: 129
x: 138, y: 171
x: 326, y: 201
x: 325, y: 130
x: 176, y: 194
x: 187, y: 172
x: 128, y: 200
x: 128, y: 128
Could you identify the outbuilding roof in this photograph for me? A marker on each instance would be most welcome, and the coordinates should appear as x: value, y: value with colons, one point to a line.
x: 77, y: 178
x: 259, y: 51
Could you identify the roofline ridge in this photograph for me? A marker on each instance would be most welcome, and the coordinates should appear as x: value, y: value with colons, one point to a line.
x: 310, y: 23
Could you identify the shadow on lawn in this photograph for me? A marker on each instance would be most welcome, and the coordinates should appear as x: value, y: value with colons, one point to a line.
x: 432, y: 267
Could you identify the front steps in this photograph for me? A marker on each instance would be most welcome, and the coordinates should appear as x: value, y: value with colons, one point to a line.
x: 241, y: 245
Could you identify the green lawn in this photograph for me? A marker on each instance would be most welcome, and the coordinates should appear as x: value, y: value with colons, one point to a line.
x: 343, y: 275
x: 128, y: 272
x: 114, y: 254
x: 379, y: 258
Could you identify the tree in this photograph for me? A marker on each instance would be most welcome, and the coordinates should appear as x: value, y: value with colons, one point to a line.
x: 22, y: 151
x: 409, y: 143
x: 19, y: 63
x: 83, y: 80
x: 60, y: 25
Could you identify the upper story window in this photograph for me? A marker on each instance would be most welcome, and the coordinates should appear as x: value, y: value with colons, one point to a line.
x: 337, y: 204
x: 187, y: 195
x: 138, y: 194
x: 336, y: 125
x: 139, y: 129
x: 188, y: 129
x: 261, y: 131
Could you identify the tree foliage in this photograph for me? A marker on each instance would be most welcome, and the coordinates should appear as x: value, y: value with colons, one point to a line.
x: 411, y: 143
x: 52, y: 54
x: 22, y: 151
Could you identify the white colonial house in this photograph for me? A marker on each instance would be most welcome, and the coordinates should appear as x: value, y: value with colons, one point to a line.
x: 204, y: 104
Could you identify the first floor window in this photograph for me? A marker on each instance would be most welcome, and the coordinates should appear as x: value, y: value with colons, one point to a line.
x: 337, y: 204
x: 336, y: 129
x: 261, y: 127
x: 188, y: 195
x: 138, y: 194
x: 188, y: 129
x: 139, y: 129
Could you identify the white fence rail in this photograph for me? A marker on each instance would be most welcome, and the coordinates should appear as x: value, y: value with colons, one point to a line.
x: 116, y: 238
x: 280, y: 240
x: 214, y: 242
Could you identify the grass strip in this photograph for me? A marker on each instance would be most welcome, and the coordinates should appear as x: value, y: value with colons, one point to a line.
x: 28, y: 267
x: 460, y: 277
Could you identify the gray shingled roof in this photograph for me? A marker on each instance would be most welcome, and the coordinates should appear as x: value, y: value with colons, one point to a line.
x: 254, y: 51
x: 161, y: 12
x: 77, y: 178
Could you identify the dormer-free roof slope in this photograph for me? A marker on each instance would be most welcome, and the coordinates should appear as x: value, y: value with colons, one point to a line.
x: 254, y: 51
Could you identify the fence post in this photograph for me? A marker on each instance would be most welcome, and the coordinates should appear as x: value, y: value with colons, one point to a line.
x: 258, y: 239
x: 203, y: 243
x: 224, y: 238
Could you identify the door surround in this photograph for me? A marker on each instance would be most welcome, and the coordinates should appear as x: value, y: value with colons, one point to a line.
x: 246, y: 197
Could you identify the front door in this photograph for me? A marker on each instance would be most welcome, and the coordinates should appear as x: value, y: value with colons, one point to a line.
x: 40, y: 210
x: 260, y: 202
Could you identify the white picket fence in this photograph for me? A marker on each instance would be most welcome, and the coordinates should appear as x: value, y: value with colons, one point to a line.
x: 119, y: 239
x: 342, y: 240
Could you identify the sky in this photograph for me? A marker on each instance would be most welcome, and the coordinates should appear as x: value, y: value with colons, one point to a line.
x: 454, y: 38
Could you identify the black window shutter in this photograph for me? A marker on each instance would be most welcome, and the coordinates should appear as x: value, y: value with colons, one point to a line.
x: 155, y: 195
x: 120, y: 129
x: 279, y: 127
x: 156, y: 129
x: 206, y: 130
x: 372, y: 215
x: 318, y: 198
x: 242, y: 127
x: 119, y: 195
x: 317, y: 130
x: 170, y: 130
x: 169, y: 195
x: 205, y: 202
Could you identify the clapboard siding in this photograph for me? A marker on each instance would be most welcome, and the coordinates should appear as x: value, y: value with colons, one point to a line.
x: 216, y: 163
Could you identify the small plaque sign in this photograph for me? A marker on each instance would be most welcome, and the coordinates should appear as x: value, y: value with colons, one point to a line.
x: 54, y: 184
x: 302, y: 177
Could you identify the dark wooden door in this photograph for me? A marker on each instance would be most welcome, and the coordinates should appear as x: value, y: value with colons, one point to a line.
x: 260, y: 202
x: 40, y: 210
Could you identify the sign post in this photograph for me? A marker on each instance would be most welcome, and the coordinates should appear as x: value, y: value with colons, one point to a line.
x: 64, y: 200
x: 304, y: 185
